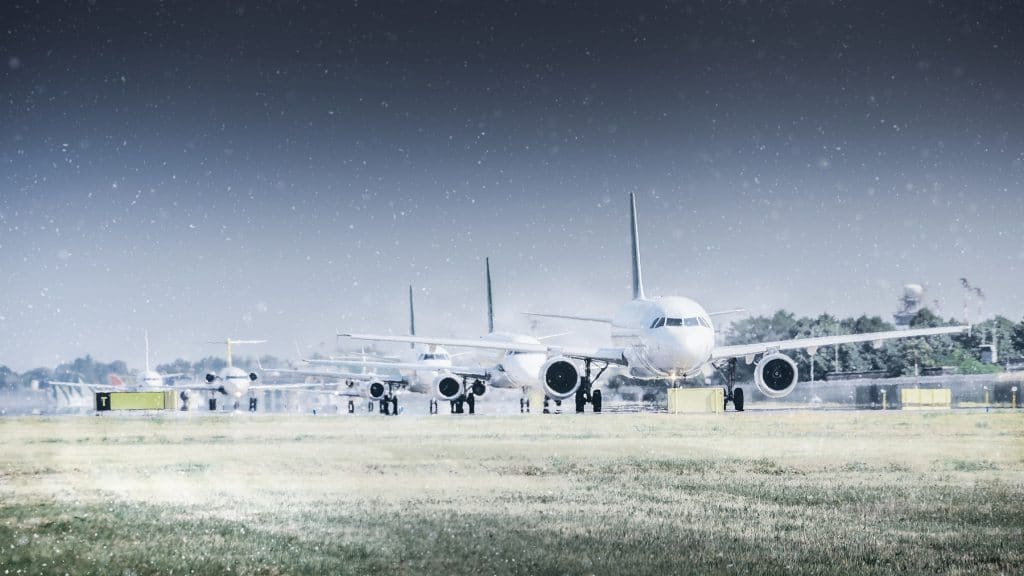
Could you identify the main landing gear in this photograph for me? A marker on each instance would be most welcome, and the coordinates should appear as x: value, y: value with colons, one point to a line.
x: 524, y: 403
x: 733, y: 393
x: 387, y: 404
x: 586, y: 394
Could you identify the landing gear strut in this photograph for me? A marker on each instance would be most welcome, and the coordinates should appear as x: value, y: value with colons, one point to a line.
x: 252, y: 404
x: 586, y: 394
x: 433, y: 406
x: 524, y: 405
x: 732, y: 392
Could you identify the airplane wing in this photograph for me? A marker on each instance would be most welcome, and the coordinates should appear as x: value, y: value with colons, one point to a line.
x: 83, y: 386
x: 812, y: 344
x: 600, y: 320
x: 610, y: 355
x: 390, y: 378
x: 460, y: 370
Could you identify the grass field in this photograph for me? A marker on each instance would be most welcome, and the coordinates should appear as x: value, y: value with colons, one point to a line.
x: 825, y: 493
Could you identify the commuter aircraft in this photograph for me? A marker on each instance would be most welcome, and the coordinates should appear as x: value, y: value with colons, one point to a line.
x: 428, y: 371
x: 668, y: 338
x: 150, y: 380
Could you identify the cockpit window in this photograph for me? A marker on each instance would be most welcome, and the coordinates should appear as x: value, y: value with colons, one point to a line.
x: 673, y: 321
x: 704, y: 322
x: 692, y: 321
x: 428, y: 356
x: 658, y: 322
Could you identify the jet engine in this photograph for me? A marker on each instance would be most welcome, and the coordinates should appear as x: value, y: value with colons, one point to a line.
x: 448, y: 387
x: 560, y: 377
x: 478, y: 388
x: 376, y: 390
x: 775, y: 375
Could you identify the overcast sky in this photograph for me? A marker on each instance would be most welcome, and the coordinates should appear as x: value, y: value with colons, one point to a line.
x: 269, y: 172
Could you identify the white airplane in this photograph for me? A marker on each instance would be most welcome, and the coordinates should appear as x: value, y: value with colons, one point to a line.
x: 668, y: 338
x: 429, y: 370
x: 511, y: 368
x: 150, y: 380
x: 234, y: 382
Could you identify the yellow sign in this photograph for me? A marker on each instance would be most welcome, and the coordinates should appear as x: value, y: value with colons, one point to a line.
x: 135, y: 401
x: 689, y: 400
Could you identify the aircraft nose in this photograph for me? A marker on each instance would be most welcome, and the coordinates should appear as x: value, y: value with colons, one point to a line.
x: 688, y: 350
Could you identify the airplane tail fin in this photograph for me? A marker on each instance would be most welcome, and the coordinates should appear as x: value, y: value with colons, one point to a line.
x: 412, y: 317
x: 638, y: 282
x: 115, y: 380
x: 490, y: 300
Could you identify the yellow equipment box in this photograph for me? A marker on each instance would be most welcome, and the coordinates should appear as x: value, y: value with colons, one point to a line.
x: 136, y: 401
x: 926, y: 399
x: 695, y: 400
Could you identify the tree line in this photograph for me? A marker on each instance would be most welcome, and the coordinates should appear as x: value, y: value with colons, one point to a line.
x: 895, y: 358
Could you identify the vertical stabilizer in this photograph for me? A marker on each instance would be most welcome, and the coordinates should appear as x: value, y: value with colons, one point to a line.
x: 490, y: 300
x: 638, y: 281
x: 412, y: 318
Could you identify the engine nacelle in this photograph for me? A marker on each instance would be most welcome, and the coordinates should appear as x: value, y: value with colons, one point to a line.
x: 560, y: 377
x: 448, y: 387
x: 478, y: 388
x: 376, y: 390
x: 775, y: 375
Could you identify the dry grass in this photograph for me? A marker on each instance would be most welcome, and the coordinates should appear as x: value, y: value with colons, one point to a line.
x: 751, y: 493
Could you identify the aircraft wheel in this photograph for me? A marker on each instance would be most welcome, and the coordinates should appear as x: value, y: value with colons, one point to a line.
x: 595, y: 400
x: 471, y: 403
x: 394, y: 405
x: 547, y: 405
x: 369, y: 407
x: 581, y: 401
x: 213, y: 404
x: 351, y: 407
x: 737, y: 399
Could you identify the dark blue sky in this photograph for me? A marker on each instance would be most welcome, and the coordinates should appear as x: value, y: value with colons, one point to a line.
x: 276, y: 171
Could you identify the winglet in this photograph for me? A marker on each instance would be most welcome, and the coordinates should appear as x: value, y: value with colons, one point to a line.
x: 638, y: 282
x: 490, y: 299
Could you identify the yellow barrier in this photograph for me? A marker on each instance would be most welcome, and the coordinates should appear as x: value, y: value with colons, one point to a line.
x: 926, y: 399
x: 136, y: 401
x: 696, y: 400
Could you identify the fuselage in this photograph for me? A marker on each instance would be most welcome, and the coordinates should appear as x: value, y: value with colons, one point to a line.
x: 235, y: 381
x: 513, y: 369
x: 151, y: 379
x: 435, y: 360
x: 670, y: 337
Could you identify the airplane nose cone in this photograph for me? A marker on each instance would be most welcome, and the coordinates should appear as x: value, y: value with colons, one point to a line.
x: 684, y: 351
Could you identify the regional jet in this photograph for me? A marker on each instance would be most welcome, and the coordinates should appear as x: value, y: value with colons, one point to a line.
x: 667, y: 338
x: 428, y: 370
x: 150, y: 380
